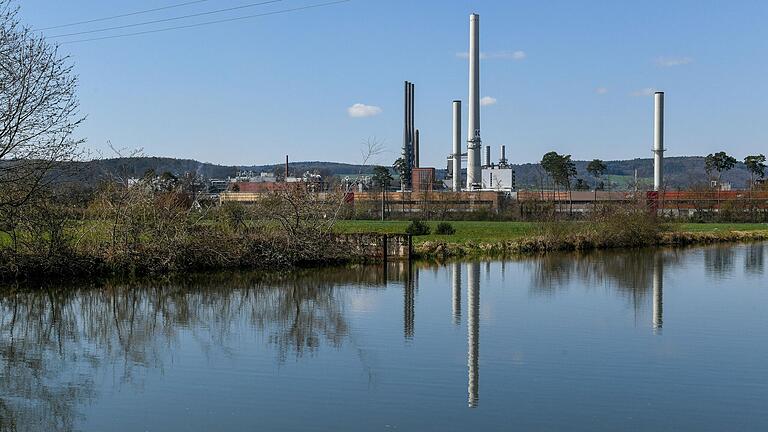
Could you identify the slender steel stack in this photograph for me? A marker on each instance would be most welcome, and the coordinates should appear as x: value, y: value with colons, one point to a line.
x: 658, y: 141
x: 474, y: 144
x: 409, y: 153
x: 456, y: 151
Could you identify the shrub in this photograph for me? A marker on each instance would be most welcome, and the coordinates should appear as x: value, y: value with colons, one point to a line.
x: 444, y: 228
x: 418, y: 228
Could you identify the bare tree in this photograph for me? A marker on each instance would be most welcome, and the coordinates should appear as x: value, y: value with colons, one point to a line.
x: 38, y: 110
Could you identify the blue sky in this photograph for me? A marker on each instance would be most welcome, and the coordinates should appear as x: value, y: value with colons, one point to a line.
x: 565, y: 75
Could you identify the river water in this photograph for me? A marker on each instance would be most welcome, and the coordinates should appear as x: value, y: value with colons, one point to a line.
x: 651, y: 340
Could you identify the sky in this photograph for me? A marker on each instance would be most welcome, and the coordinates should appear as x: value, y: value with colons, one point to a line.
x: 316, y: 84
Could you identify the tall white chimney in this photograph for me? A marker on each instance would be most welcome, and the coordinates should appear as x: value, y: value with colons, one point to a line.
x: 658, y: 141
x: 456, y: 146
x: 474, y: 144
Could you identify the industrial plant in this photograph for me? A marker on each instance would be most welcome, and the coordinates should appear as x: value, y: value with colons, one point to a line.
x: 473, y: 179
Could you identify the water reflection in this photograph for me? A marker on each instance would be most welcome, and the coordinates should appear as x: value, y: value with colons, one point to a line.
x: 409, y: 302
x: 754, y: 262
x: 54, y: 341
x: 719, y: 261
x: 658, y: 292
x: 473, y: 333
x: 45, y: 335
x: 456, y: 291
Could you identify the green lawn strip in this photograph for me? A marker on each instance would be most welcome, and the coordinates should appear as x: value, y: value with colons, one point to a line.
x: 720, y: 227
x: 491, y: 232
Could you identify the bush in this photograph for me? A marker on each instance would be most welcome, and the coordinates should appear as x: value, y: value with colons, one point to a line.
x: 444, y: 228
x: 418, y: 228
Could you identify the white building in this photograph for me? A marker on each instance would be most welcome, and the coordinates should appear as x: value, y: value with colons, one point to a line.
x: 498, y: 178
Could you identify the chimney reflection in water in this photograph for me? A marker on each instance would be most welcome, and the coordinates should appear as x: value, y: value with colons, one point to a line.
x: 658, y: 293
x: 473, y: 332
x: 456, y: 291
x: 409, y: 300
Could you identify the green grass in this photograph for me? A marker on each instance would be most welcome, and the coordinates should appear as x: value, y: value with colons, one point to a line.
x: 715, y: 227
x: 489, y: 232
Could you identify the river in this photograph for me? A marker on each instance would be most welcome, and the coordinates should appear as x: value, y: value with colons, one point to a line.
x: 650, y: 340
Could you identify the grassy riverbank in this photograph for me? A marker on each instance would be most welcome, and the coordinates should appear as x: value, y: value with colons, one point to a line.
x: 474, y: 238
x: 490, y: 232
x: 156, y: 243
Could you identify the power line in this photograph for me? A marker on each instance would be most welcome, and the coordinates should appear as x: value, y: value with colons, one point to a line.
x: 319, y: 5
x: 124, y: 15
x: 250, y: 5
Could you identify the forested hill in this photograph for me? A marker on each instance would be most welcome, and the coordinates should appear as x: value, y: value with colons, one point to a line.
x: 93, y: 171
x: 680, y: 171
x: 683, y: 171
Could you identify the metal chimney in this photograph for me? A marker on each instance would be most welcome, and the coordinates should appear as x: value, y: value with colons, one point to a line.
x: 416, y: 150
x: 408, y: 136
x: 411, y: 126
x: 487, y: 156
x: 286, y: 168
x: 405, y: 152
x: 474, y: 144
x: 658, y: 141
x: 503, y: 155
x: 456, y: 146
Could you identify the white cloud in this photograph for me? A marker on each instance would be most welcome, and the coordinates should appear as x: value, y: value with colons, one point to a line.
x: 497, y: 55
x: 644, y: 92
x: 673, y: 61
x: 487, y: 100
x: 601, y: 90
x: 359, y: 110
x: 519, y: 55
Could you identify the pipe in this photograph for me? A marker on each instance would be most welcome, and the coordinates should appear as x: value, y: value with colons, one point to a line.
x: 457, y: 146
x: 658, y: 141
x: 487, y: 156
x: 503, y: 154
x: 286, y: 168
x: 474, y: 143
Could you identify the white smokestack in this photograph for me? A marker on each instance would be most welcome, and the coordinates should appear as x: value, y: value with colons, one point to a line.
x: 474, y: 144
x: 456, y: 146
x: 658, y: 141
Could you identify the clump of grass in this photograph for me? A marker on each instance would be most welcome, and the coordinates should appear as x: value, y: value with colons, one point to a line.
x: 418, y: 228
x: 444, y: 228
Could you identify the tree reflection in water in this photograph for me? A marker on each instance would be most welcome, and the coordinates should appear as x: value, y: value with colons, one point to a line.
x: 53, y: 341
x: 628, y: 273
x: 754, y: 261
x: 719, y: 261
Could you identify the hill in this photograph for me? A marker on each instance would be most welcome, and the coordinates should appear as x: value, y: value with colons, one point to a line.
x: 680, y: 171
x: 684, y: 171
x: 93, y: 171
